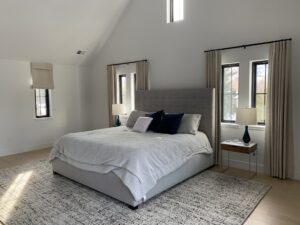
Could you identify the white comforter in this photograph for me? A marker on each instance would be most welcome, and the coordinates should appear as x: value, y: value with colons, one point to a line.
x: 139, y: 160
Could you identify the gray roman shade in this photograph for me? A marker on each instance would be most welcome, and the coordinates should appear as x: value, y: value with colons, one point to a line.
x: 42, y: 76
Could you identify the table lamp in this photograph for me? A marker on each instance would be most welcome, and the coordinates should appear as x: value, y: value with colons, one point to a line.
x: 118, y: 109
x: 246, y: 116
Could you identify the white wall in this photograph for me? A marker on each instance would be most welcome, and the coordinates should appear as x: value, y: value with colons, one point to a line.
x: 19, y: 130
x: 175, y: 51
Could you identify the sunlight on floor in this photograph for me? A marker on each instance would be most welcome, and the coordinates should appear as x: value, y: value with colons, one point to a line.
x: 11, y: 196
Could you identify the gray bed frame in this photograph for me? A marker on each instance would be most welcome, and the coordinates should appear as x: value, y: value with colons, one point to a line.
x: 185, y: 101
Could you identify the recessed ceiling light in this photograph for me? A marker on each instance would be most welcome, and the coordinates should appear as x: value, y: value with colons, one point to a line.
x: 81, y: 52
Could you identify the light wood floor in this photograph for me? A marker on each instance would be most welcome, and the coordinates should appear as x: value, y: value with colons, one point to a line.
x: 281, y: 206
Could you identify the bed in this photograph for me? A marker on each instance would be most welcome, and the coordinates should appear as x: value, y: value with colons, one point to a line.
x: 177, y: 157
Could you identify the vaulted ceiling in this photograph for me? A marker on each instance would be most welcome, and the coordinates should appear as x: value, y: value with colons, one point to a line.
x: 53, y: 30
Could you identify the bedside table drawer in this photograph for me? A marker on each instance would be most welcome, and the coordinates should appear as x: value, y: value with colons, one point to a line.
x: 239, y: 149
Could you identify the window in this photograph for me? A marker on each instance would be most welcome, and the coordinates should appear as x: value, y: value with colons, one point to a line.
x: 122, y: 89
x: 259, y: 89
x: 174, y: 10
x: 230, y: 92
x: 42, y: 103
x: 126, y: 86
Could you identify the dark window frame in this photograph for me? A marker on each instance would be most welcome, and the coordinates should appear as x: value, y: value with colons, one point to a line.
x: 222, y: 91
x: 120, y: 87
x: 134, y: 82
x: 254, y: 80
x: 47, y: 98
x: 171, y: 11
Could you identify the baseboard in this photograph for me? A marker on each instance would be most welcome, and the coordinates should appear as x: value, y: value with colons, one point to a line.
x: 244, y: 165
x: 23, y: 150
x: 296, y: 175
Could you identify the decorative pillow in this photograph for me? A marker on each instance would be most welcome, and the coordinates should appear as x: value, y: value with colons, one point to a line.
x: 156, y: 120
x: 189, y: 124
x: 142, y: 124
x: 170, y: 123
x: 134, y: 115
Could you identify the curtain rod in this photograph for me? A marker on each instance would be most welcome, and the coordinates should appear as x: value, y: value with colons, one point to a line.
x: 248, y: 45
x: 117, y: 64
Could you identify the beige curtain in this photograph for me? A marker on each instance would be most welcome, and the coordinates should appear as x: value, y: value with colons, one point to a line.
x: 112, y: 95
x: 42, y: 76
x: 277, y: 109
x: 213, y: 73
x: 142, y: 78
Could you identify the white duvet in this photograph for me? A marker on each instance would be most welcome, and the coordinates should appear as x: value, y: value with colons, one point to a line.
x: 139, y: 160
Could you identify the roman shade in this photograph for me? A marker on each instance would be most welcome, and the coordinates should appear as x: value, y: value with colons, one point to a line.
x: 42, y: 76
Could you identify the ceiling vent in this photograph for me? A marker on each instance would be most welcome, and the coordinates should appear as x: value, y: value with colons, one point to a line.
x: 81, y: 52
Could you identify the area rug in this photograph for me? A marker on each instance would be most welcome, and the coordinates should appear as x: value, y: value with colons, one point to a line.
x: 30, y: 194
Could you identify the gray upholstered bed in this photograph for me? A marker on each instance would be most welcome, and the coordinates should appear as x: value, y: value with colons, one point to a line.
x: 187, y: 101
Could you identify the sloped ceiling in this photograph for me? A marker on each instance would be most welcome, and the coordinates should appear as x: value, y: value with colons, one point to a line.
x: 53, y: 30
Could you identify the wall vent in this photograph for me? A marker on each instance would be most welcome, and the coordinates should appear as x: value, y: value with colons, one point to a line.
x: 81, y: 52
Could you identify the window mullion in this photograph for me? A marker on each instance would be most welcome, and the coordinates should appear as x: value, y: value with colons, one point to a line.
x: 171, y: 11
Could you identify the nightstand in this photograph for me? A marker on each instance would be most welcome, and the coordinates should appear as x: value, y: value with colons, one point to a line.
x: 240, y: 147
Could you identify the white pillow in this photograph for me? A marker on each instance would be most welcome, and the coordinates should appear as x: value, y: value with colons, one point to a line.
x: 142, y: 124
x: 134, y: 115
x: 189, y: 124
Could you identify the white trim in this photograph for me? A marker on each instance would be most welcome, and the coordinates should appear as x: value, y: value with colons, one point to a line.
x: 236, y: 126
x: 43, y: 118
x: 296, y: 176
x: 257, y: 127
x: 230, y: 125
x: 23, y: 150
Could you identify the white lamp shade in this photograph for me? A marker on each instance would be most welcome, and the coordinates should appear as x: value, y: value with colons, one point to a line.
x: 246, y: 116
x: 118, y: 109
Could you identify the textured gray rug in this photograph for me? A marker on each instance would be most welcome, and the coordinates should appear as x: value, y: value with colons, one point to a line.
x: 31, y: 194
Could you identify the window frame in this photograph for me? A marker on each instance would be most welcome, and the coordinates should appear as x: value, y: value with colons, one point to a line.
x: 222, y: 91
x: 47, y: 98
x: 134, y: 82
x: 254, y: 85
x: 170, y: 12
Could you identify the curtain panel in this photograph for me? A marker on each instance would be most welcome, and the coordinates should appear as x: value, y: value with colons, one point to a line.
x: 213, y: 75
x: 112, y: 91
x: 277, y: 109
x: 142, y: 77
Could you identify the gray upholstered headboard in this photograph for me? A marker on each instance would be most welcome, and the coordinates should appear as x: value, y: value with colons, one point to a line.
x: 199, y: 101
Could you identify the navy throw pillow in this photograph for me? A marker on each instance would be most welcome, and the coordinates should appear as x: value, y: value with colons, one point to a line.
x: 170, y: 123
x: 157, y: 116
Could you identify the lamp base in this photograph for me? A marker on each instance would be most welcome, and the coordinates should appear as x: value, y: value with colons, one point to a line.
x: 117, y: 122
x: 246, y: 137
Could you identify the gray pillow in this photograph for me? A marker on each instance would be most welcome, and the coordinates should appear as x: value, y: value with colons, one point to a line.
x: 189, y: 124
x: 134, y: 115
x: 142, y: 124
